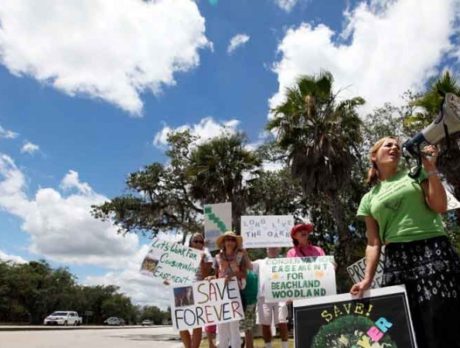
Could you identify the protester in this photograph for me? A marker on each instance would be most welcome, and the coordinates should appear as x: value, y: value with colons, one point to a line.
x: 302, y: 246
x: 211, y: 334
x: 404, y: 214
x: 197, y: 242
x: 231, y: 262
x: 249, y: 299
x: 276, y: 312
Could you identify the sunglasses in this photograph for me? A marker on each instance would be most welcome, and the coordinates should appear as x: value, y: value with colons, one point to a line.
x: 198, y: 241
x: 230, y: 239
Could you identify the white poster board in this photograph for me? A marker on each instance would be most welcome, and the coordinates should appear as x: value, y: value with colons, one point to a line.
x: 266, y: 231
x: 217, y: 220
x: 357, y: 271
x: 297, y: 278
x: 452, y: 202
x: 170, y: 261
x: 205, y: 303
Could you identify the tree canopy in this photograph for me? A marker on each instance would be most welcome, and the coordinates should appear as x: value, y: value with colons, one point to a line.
x: 31, y: 291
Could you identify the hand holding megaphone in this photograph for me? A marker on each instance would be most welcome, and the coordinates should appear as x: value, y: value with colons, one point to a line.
x: 447, y: 122
x: 429, y: 157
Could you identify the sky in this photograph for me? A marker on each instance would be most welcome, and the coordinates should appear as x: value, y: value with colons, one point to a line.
x: 89, y: 90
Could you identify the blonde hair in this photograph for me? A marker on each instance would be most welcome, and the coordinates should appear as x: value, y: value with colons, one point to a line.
x: 373, y: 172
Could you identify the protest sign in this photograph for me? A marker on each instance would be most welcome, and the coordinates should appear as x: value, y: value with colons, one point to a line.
x: 206, y: 303
x: 217, y: 220
x: 357, y: 270
x: 266, y: 231
x: 452, y: 202
x: 381, y: 319
x: 170, y: 261
x: 294, y: 278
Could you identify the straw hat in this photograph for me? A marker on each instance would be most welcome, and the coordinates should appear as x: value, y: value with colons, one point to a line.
x: 301, y: 227
x: 221, y: 238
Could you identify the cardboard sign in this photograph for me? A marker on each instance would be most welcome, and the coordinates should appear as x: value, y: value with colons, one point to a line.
x: 217, y: 220
x: 206, y: 303
x: 266, y: 231
x: 381, y: 319
x: 174, y: 262
x: 297, y: 277
x: 452, y: 202
x: 357, y: 270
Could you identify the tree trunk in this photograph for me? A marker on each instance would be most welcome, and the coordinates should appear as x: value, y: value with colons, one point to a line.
x: 343, y: 252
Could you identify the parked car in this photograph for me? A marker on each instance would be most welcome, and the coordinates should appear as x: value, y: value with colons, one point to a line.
x: 147, y: 322
x: 63, y: 318
x: 114, y: 321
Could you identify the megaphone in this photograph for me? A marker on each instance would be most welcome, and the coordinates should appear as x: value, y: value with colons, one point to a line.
x: 446, y: 123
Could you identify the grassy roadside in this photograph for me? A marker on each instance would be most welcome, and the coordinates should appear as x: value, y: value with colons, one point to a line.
x: 258, y: 343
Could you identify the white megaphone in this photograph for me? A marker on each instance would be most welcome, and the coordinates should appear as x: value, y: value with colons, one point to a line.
x: 447, y: 122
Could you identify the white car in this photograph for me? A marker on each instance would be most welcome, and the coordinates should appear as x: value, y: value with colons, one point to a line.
x: 114, y: 321
x: 63, y: 318
x: 147, y: 322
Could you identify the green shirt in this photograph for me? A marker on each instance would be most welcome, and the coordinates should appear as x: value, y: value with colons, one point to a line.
x: 398, y: 205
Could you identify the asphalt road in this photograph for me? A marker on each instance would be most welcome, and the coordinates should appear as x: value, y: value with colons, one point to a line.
x: 162, y: 337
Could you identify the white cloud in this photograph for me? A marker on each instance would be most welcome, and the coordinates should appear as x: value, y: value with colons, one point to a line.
x: 237, y: 41
x: 7, y: 134
x: 141, y: 289
x: 11, y: 258
x: 29, y: 148
x: 61, y: 226
x: 62, y: 229
x: 392, y: 47
x: 71, y: 180
x: 206, y: 129
x: 286, y: 5
x: 96, y: 48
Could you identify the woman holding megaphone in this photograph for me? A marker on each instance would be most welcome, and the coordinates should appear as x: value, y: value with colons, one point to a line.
x: 403, y: 213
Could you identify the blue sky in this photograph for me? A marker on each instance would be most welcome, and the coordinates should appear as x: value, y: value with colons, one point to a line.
x: 88, y: 92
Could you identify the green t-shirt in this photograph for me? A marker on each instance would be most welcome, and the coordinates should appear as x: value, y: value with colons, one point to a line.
x: 398, y: 204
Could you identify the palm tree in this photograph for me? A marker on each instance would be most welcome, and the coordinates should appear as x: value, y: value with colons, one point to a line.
x: 431, y: 103
x: 219, y: 170
x: 321, y: 136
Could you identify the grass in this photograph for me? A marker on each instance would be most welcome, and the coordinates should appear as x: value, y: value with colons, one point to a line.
x: 258, y: 343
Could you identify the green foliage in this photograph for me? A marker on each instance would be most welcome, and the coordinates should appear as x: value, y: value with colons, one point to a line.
x: 319, y: 134
x: 345, y: 332
x: 155, y: 314
x: 31, y: 291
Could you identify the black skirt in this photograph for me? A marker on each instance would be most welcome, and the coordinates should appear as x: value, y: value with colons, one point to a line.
x: 430, y: 270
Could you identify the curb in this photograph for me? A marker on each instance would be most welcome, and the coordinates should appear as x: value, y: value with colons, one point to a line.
x: 82, y: 327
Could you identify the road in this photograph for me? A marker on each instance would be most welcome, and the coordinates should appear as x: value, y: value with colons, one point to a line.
x: 163, y: 337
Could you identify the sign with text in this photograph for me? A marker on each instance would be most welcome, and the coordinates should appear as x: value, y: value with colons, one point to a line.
x: 170, y: 261
x: 381, y: 319
x: 357, y: 270
x: 297, y: 278
x: 217, y: 220
x: 266, y: 231
x: 206, y: 303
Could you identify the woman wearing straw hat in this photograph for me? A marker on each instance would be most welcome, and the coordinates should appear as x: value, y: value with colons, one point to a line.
x: 231, y: 261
